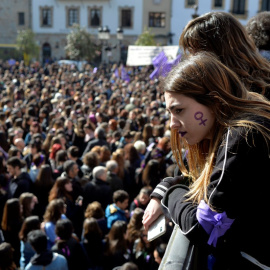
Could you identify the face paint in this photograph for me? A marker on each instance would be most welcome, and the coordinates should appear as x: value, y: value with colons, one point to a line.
x: 199, y: 116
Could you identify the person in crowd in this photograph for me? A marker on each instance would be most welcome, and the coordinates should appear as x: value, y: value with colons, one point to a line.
x: 240, y: 54
x: 38, y: 160
x: 159, y: 252
x: 214, y: 150
x: 52, y: 157
x: 90, y: 161
x: 117, y: 210
x: 62, y: 189
x: 44, y: 258
x: 95, y: 210
x: 55, y: 210
x: 20, y: 181
x: 100, y: 139
x: 116, y: 246
x: 142, y: 199
x: 92, y: 243
x: 71, y: 170
x: 34, y: 129
x: 11, y: 225
x: 98, y: 189
x: 73, y: 153
x: 68, y: 245
x: 134, y: 226
x: 142, y: 253
x: 60, y: 159
x: 28, y: 202
x: 6, y: 257
x: 41, y: 189
x: 112, y: 178
x: 258, y: 29
x: 29, y: 224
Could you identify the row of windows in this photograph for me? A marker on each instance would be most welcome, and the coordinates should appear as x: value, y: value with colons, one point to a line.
x: 238, y: 6
x: 156, y: 19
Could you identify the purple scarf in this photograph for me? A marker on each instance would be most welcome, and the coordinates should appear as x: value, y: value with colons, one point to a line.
x: 215, y: 224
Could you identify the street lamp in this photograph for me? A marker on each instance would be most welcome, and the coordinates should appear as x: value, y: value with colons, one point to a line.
x: 104, y: 33
x: 119, y: 34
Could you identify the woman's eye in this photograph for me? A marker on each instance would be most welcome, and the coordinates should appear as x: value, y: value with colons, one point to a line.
x: 177, y: 111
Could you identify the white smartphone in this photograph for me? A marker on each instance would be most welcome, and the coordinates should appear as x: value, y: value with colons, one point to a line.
x: 157, y: 228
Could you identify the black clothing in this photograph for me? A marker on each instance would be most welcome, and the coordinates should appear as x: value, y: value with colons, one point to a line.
x: 233, y: 189
x: 74, y: 253
x: 114, y: 181
x: 19, y: 185
x: 95, y: 142
x: 97, y: 190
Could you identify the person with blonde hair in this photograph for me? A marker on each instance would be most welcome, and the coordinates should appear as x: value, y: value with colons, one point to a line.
x: 224, y: 129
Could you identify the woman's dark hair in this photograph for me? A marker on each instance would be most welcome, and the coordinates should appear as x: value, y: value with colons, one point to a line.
x: 44, y: 177
x: 222, y: 34
x: 29, y: 224
x: 64, y: 229
x: 38, y: 240
x: 258, y: 27
x: 116, y: 241
x: 91, y: 227
x: 11, y: 214
x: 6, y: 257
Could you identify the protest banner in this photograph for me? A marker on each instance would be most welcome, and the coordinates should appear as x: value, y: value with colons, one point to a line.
x: 143, y: 55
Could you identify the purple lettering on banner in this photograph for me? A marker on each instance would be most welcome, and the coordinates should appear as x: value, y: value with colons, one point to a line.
x: 199, y: 116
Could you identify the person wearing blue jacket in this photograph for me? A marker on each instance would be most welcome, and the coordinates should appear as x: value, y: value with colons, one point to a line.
x: 117, y: 210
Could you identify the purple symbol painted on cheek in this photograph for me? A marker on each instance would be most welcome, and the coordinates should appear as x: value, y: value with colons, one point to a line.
x: 199, y: 116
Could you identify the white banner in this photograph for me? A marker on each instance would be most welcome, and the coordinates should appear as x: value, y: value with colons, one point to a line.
x: 143, y: 55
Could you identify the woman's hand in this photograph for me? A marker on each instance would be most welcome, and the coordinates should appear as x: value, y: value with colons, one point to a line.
x: 151, y: 213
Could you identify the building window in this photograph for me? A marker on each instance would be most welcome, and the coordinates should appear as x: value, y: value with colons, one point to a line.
x: 21, y: 18
x: 156, y: 19
x: 239, y: 7
x: 94, y: 17
x: 126, y: 19
x: 218, y: 3
x: 46, y: 17
x: 191, y: 3
x: 265, y: 5
x: 72, y: 16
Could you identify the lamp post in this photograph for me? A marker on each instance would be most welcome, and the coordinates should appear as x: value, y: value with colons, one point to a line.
x: 104, y: 36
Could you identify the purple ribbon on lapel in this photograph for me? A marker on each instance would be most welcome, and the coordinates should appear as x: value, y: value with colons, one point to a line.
x: 215, y: 224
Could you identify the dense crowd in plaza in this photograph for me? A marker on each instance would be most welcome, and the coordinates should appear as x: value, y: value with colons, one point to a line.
x: 80, y: 153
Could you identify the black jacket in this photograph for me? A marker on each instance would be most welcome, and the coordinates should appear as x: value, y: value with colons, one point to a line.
x: 19, y: 185
x: 97, y: 190
x: 239, y: 185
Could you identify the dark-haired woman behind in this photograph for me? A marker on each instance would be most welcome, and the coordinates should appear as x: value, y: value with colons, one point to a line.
x: 29, y: 224
x: 92, y: 243
x: 116, y: 246
x: 11, y: 225
x: 41, y: 189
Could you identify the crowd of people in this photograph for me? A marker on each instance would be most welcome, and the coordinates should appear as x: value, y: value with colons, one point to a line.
x: 81, y: 148
x: 82, y: 152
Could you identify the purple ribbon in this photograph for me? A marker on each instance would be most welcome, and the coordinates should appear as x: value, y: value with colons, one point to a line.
x: 215, y: 224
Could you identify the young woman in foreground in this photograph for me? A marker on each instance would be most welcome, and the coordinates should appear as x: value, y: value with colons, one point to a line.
x: 224, y: 130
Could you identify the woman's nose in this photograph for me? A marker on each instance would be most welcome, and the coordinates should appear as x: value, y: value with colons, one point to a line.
x: 175, y: 123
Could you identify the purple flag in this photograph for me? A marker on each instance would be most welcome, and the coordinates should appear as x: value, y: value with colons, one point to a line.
x: 159, y: 59
x: 116, y: 73
x: 95, y: 70
x: 124, y: 75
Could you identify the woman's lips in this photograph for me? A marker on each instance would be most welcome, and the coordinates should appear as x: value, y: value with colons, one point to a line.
x: 182, y: 133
